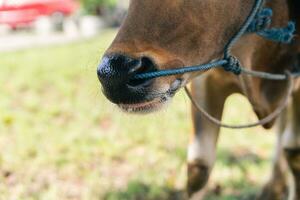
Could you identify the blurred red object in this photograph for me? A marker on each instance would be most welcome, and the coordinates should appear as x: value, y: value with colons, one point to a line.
x: 16, y: 13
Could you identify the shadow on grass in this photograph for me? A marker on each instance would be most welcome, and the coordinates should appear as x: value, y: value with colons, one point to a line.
x: 249, y: 196
x: 141, y: 191
x: 241, y: 159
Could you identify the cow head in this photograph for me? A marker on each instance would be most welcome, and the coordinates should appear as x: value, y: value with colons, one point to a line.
x: 166, y: 34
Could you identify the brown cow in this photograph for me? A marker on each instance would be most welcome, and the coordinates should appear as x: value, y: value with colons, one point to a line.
x: 166, y: 34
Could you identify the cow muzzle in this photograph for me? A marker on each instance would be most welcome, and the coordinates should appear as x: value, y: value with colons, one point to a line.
x: 116, y: 72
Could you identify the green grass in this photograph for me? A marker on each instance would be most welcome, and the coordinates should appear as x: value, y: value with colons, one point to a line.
x: 61, y: 139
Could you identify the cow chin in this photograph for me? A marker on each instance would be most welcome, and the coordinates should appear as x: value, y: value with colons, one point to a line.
x: 155, y: 104
x: 146, y: 107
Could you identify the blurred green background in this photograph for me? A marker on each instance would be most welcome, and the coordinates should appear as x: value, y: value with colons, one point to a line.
x: 61, y: 139
x: 96, y: 6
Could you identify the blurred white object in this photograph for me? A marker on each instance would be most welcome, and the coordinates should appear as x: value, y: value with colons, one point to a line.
x: 90, y: 25
x: 70, y: 28
x: 44, y: 25
x: 4, y: 29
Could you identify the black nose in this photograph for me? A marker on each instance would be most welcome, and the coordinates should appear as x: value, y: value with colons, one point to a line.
x: 116, y: 73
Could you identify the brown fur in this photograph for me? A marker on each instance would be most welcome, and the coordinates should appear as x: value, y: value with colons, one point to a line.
x: 177, y: 33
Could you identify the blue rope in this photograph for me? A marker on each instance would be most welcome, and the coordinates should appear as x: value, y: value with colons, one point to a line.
x: 169, y: 72
x: 250, y: 19
x: 262, y: 21
x: 258, y: 22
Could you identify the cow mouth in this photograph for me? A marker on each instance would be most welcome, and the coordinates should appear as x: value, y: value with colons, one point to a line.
x: 155, y: 104
x: 146, y: 107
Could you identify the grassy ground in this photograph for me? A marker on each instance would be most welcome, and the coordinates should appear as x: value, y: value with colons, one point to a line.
x: 61, y: 139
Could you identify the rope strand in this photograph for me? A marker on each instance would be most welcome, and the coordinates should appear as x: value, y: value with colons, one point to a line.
x: 264, y: 121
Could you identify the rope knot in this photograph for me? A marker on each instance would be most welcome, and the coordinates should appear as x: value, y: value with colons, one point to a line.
x: 233, y: 65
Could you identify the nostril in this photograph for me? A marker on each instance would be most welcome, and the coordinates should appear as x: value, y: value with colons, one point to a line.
x: 115, y: 69
x: 145, y: 65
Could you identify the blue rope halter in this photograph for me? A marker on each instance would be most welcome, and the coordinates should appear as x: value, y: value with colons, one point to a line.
x: 257, y: 22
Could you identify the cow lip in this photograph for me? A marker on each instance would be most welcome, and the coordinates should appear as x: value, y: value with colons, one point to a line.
x: 147, y: 106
